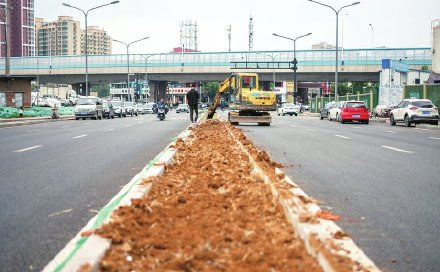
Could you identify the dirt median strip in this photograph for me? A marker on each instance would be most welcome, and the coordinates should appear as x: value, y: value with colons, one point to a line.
x: 221, y: 206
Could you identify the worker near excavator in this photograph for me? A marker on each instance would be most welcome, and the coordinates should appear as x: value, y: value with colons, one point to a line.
x: 193, y: 102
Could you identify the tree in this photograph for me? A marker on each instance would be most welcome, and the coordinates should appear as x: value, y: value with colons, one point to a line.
x: 210, y: 89
x: 102, y: 90
x: 424, y: 67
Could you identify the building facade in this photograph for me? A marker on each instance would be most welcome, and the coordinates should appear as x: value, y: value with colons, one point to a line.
x: 99, y: 43
x: 21, y: 27
x: 60, y: 37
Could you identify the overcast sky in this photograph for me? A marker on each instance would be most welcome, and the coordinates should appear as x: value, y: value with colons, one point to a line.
x: 396, y: 23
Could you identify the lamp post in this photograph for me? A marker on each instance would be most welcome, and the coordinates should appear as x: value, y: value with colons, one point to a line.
x: 273, y: 60
x: 86, y: 13
x: 372, y: 36
x: 128, y: 63
x: 146, y: 64
x: 337, y: 39
x: 294, y: 68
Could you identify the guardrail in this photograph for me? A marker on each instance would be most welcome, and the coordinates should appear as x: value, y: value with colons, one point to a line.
x: 321, y: 57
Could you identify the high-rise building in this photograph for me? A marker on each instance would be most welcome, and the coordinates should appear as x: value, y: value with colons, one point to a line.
x: 99, y: 42
x: 60, y: 37
x: 21, y: 27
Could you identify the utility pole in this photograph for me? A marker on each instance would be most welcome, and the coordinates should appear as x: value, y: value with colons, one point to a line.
x: 251, y: 33
x: 229, y: 37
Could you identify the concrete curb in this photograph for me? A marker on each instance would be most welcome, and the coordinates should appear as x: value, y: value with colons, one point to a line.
x: 77, y: 253
x: 31, y: 121
x: 321, y: 237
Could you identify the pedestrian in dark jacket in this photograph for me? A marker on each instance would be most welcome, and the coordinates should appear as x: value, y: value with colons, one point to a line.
x: 193, y: 101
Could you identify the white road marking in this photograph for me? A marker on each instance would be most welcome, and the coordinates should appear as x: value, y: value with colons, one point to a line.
x: 434, y: 138
x: 396, y: 149
x: 27, y: 149
x: 356, y: 127
x: 87, y: 123
x: 389, y: 131
x: 59, y: 213
x: 66, y: 127
x: 128, y: 126
x: 421, y: 128
x: 80, y: 136
x: 110, y: 129
x: 309, y: 129
x: 140, y: 122
x: 343, y: 137
x: 293, y: 126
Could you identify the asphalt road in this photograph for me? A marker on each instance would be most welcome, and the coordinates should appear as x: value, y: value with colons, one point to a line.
x: 383, y: 181
x: 56, y: 176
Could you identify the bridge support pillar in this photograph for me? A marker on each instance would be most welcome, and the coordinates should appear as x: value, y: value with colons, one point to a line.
x: 158, y: 90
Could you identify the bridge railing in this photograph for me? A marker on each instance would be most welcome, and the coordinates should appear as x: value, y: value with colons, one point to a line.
x: 347, y: 57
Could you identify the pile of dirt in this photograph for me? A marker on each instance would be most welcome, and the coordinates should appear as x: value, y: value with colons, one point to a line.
x: 206, y: 213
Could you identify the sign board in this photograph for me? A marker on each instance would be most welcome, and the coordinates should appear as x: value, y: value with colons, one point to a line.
x: 395, y: 65
x: 289, y: 86
x: 390, y: 95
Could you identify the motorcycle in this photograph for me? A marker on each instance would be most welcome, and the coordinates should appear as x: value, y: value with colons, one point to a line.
x: 161, y: 112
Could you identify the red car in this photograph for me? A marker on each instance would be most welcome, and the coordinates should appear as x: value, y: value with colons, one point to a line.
x: 354, y: 111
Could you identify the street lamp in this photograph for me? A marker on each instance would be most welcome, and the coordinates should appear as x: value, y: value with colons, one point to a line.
x: 128, y: 63
x: 86, y: 13
x: 146, y: 64
x: 372, y: 36
x: 294, y: 68
x: 273, y: 60
x: 337, y: 42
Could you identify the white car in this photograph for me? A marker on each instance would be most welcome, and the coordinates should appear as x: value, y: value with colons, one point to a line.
x: 288, y: 108
x: 335, y: 112
x: 119, y: 108
x: 415, y: 111
x: 131, y: 108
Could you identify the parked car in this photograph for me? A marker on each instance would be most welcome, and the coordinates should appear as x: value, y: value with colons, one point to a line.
x: 382, y: 111
x: 415, y: 111
x: 323, y: 113
x: 131, y: 108
x: 182, y: 108
x: 288, y: 108
x: 119, y: 108
x: 335, y: 111
x: 141, y: 108
x: 89, y: 106
x: 354, y: 111
x: 107, y: 110
x: 149, y: 108
x: 306, y: 107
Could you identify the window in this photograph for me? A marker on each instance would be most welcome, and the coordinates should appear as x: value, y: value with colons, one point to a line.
x: 423, y: 104
x: 2, y: 100
x: 355, y: 105
x: 248, y: 82
x: 18, y: 100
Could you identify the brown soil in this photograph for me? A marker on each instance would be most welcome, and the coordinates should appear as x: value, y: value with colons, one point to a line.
x: 207, y: 213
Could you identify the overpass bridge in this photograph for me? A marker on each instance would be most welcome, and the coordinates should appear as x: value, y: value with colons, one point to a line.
x: 313, y: 65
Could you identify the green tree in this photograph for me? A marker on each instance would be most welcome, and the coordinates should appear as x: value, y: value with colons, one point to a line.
x: 425, y: 67
x: 210, y: 89
x: 102, y: 90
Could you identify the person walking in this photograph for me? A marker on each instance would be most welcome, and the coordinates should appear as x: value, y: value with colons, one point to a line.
x: 193, y: 101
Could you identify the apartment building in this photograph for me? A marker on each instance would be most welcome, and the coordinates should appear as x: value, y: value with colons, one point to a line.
x: 99, y: 42
x: 60, y: 37
x: 21, y: 27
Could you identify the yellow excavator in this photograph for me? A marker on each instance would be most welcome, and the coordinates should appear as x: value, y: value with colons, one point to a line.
x: 247, y: 103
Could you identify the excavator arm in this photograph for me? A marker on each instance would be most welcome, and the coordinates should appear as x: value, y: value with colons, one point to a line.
x: 223, y: 88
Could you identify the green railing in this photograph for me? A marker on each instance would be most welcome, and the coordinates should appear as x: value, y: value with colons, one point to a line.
x: 370, y: 96
x: 425, y: 91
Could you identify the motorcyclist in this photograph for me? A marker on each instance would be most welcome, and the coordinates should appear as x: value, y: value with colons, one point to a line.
x: 162, y: 105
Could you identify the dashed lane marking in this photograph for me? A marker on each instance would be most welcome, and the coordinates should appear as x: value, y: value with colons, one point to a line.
x: 27, y: 149
x: 80, y: 136
x: 66, y: 127
x: 389, y: 131
x: 421, y: 128
x: 310, y: 129
x: 397, y: 149
x: 434, y: 138
x: 111, y: 129
x: 343, y: 137
x: 356, y: 127
x: 128, y: 126
x: 294, y: 126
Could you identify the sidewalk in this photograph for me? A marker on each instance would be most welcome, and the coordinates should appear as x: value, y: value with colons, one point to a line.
x: 12, y: 122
